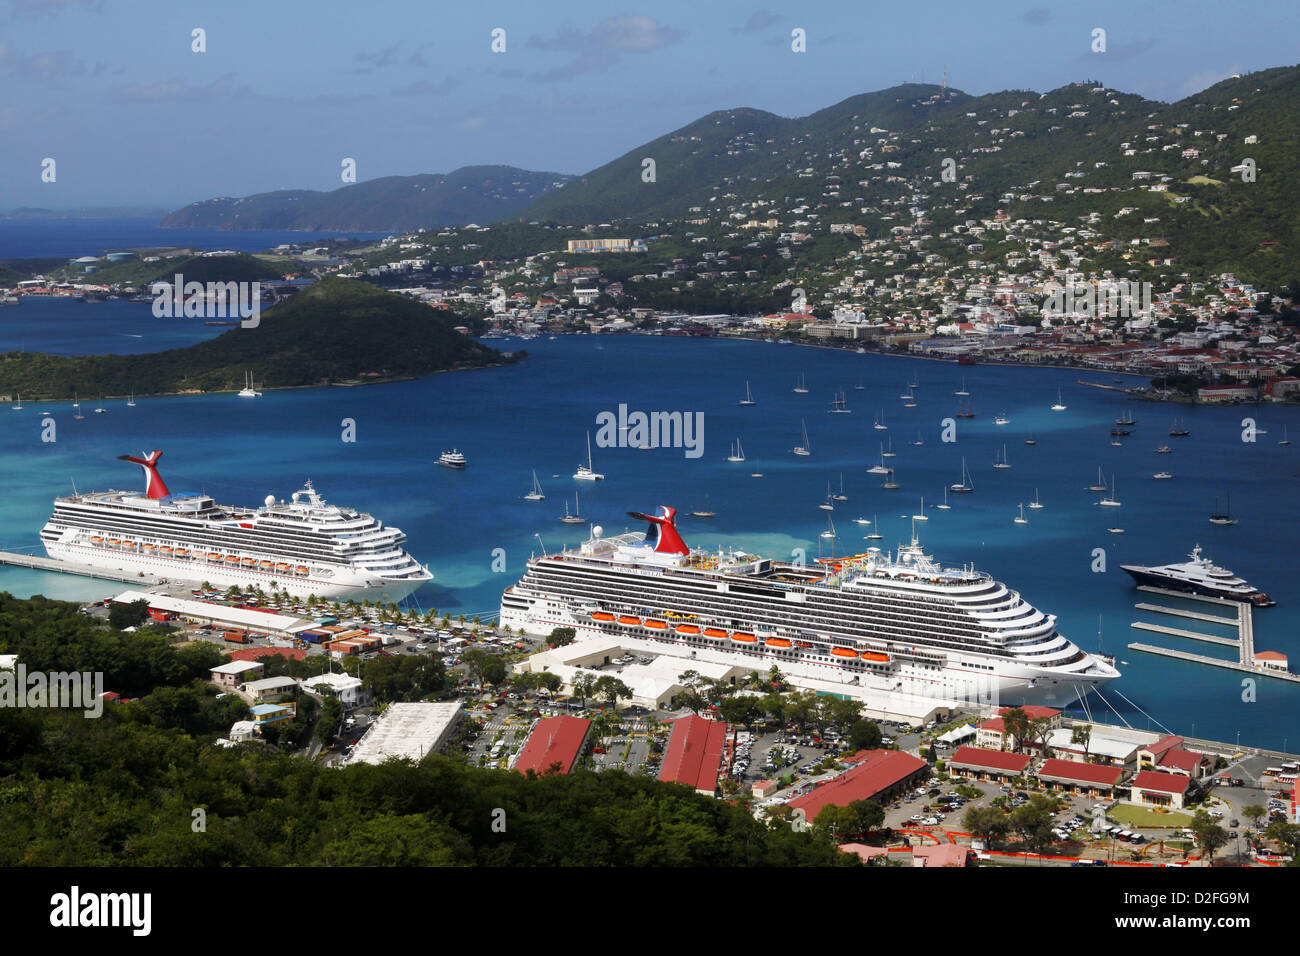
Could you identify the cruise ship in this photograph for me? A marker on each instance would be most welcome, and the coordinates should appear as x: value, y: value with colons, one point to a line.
x: 1198, y: 575
x: 304, y: 546
x: 899, y: 624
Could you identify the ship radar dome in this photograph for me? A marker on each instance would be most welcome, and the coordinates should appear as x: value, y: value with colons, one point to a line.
x: 597, y: 531
x: 269, y: 500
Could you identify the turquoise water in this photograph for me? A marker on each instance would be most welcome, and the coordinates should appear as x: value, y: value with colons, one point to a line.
x: 509, y: 421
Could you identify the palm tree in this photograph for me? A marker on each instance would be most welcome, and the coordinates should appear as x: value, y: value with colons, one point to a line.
x: 1082, y: 734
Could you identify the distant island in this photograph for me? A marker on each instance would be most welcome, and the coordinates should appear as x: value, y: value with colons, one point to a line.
x: 392, y: 203
x: 336, y: 332
x: 84, y: 212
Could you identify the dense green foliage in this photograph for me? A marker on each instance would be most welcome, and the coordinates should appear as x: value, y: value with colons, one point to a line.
x: 392, y: 203
x: 337, y: 330
x: 122, y: 789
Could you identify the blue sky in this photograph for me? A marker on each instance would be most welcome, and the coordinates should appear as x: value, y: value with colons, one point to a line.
x: 113, y: 92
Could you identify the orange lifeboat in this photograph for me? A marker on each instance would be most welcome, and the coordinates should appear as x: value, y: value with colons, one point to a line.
x: 114, y: 541
x: 777, y: 642
x: 213, y: 556
x: 687, y: 629
x: 843, y: 652
x: 231, y: 559
x: 131, y: 544
x: 714, y: 632
x: 182, y: 551
x: 602, y: 616
x: 873, y: 656
x: 267, y: 565
x: 96, y: 538
x: 655, y: 625
x: 282, y: 566
x: 150, y: 547
x: 165, y: 550
x: 300, y: 569
x: 628, y: 619
x: 744, y: 638
x: 248, y: 562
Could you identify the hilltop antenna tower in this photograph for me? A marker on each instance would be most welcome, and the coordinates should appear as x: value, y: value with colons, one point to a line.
x: 944, y: 85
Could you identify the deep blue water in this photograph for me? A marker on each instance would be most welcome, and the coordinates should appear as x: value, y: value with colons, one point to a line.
x: 68, y: 327
x: 73, y: 238
x: 509, y: 421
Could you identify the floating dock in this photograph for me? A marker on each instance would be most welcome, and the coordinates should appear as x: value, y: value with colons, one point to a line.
x: 1252, y: 669
x: 1179, y: 632
x: 82, y: 570
x: 1244, y: 641
x: 1194, y: 615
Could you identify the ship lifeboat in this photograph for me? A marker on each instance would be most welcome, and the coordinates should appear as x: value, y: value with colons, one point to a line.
x: 213, y: 556
x: 150, y: 547
x: 843, y: 652
x: 248, y: 562
x: 601, y: 616
x: 629, y: 620
x: 300, y: 570
x: 114, y: 541
x: 165, y: 549
x: 96, y: 538
x: 714, y: 632
x: 655, y: 625
x: 744, y: 638
x: 282, y: 566
x: 687, y: 629
x: 874, y: 656
x: 183, y: 552
x: 267, y: 565
x: 231, y: 559
x: 777, y: 642
x: 131, y: 544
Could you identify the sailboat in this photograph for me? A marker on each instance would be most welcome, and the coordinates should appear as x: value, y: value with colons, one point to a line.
x: 756, y: 473
x: 1126, y: 419
x: 1110, y: 501
x: 804, y: 449
x: 1021, y: 519
x: 19, y: 406
x: 859, y: 386
x: 1060, y: 405
x: 802, y: 387
x: 839, y: 405
x: 1224, y: 517
x: 911, y: 401
x: 737, y: 453
x: 130, y: 402
x: 914, y: 384
x: 1035, y: 504
x: 536, y: 493
x: 841, y: 496
x: 826, y: 505
x: 76, y: 403
x: 962, y: 391
x: 889, y: 451
x: 1101, y: 484
x: 1031, y: 440
x: 880, y: 425
x: 882, y: 468
x: 963, y: 487
x: 1003, y: 463
x: 830, y: 528
x: 862, y: 520
x: 706, y: 513
x: 1178, y: 429
x: 749, y: 397
x: 945, y: 506
x: 584, y: 472
x: 248, y: 391
x: 919, y: 439
x: 875, y: 533
x: 100, y: 409
x: 1002, y: 419
x: 574, y: 518
x: 889, y: 484
x: 1285, y: 440
x: 921, y: 515
x: 964, y: 410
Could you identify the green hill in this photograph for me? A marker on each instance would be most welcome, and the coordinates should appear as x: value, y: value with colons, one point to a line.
x: 338, y: 330
x: 392, y: 203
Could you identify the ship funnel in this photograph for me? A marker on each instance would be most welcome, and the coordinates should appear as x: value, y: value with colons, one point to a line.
x: 662, y: 532
x: 154, y: 485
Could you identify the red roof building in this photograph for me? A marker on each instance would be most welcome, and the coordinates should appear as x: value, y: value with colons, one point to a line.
x: 977, y: 761
x: 694, y: 755
x: 1154, y: 788
x: 554, y: 741
x: 881, y: 775
x: 256, y: 653
x: 1074, y: 774
x: 1189, y: 762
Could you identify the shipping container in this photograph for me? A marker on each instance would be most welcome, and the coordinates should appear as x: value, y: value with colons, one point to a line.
x: 236, y: 637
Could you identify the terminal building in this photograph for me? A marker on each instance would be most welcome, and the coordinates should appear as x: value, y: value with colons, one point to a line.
x: 410, y: 730
x: 554, y: 745
x: 694, y: 755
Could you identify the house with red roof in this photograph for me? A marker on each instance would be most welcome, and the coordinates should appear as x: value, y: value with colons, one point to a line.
x: 694, y: 755
x: 983, y: 764
x: 554, y: 745
x: 1076, y: 777
x: 1195, y: 765
x: 880, y: 775
x: 1151, y: 755
x: 992, y: 733
x: 1155, y: 789
x: 257, y: 653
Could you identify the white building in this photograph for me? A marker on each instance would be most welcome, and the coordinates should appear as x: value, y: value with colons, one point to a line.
x: 411, y: 731
x: 348, y: 689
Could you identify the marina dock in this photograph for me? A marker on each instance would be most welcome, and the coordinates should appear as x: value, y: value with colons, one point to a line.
x: 1244, y: 641
x: 1179, y: 632
x: 64, y: 567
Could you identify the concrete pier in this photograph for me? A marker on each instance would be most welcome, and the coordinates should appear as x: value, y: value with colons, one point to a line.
x: 82, y: 570
x: 1179, y: 632
x: 1217, y: 662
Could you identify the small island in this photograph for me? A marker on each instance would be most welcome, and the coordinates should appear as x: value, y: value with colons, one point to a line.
x: 336, y: 332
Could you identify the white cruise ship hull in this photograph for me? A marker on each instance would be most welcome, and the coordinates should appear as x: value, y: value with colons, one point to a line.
x: 965, y: 678
x: 344, y: 581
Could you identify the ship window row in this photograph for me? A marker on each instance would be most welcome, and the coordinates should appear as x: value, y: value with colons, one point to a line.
x: 195, y: 538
